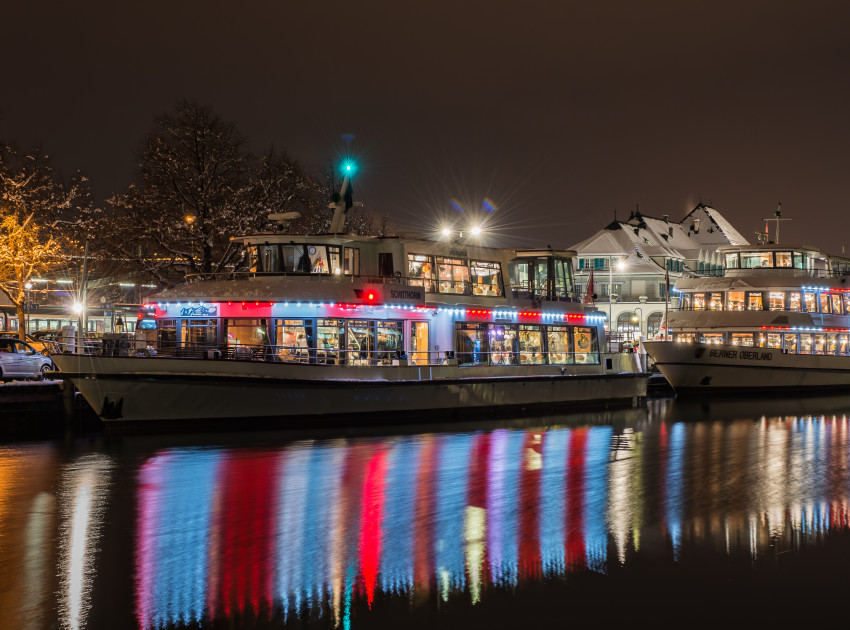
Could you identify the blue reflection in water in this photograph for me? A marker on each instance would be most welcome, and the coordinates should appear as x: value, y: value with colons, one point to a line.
x: 674, y: 485
x: 176, y: 494
x: 399, y: 513
x: 596, y: 497
x: 502, y: 505
x: 450, y: 513
x: 553, y: 501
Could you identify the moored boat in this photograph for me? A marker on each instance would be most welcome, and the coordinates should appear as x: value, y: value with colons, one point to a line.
x: 338, y: 325
x: 777, y: 320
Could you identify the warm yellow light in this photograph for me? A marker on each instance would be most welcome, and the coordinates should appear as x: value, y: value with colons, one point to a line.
x: 475, y: 231
x: 190, y: 219
x: 77, y: 308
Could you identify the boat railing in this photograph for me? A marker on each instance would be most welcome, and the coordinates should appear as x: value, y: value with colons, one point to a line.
x: 300, y: 276
x: 330, y: 356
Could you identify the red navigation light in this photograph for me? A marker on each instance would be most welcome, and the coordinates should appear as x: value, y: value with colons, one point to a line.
x: 370, y: 296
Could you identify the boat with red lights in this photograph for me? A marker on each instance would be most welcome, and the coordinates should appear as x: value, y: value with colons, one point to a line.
x: 345, y: 326
x: 778, y: 319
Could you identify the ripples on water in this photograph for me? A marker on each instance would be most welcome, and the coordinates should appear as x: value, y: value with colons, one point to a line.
x: 616, y: 516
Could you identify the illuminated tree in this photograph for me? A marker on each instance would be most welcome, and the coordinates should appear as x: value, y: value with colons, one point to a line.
x: 33, y: 206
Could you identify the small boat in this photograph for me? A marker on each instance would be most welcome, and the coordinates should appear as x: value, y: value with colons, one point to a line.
x: 358, y: 329
x: 777, y: 320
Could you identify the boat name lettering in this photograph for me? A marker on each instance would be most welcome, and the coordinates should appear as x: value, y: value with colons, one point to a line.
x: 754, y: 355
x: 404, y: 295
x: 723, y: 354
x: 195, y: 311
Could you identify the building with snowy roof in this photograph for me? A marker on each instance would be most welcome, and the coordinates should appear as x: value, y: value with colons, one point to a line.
x: 629, y: 263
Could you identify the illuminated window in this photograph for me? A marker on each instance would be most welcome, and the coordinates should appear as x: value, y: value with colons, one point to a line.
x: 805, y: 343
x: 742, y: 339
x: 558, y: 342
x: 715, y: 302
x: 754, y: 301
x: 452, y: 276
x: 783, y: 259
x: 811, y: 302
x: 774, y: 340
x: 735, y: 300
x: 752, y: 260
x: 831, y: 343
x: 653, y: 324
x: 486, y: 278
x: 732, y: 261
x: 794, y: 301
x: 420, y: 269
x: 530, y: 344
x: 776, y: 300
x: 715, y: 338
x: 824, y: 303
x: 835, y: 298
x: 820, y: 343
x: 244, y: 331
x: 790, y: 343
x: 292, y: 337
x: 699, y: 301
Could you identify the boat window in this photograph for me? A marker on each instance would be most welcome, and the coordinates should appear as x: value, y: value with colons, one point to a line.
x: 530, y: 344
x: 843, y: 339
x: 585, y: 343
x: 420, y: 270
x: 774, y: 340
x: 167, y: 333
x: 292, y: 339
x: 453, y: 275
x: 471, y: 343
x: 783, y: 259
x: 831, y: 343
x: 732, y: 261
x: 486, y: 278
x: 754, y: 301
x: 558, y: 343
x: 329, y: 339
x: 520, y: 281
x: 847, y: 303
x: 715, y: 338
x: 805, y: 343
x: 686, y: 302
x: 824, y: 303
x: 360, y: 341
x: 389, y: 341
x: 502, y: 344
x: 386, y: 268
x: 419, y: 343
x: 684, y: 337
x: 791, y: 343
x: 735, y: 300
x: 541, y: 278
x: 836, y: 303
x: 199, y: 332
x: 801, y: 261
x: 699, y: 301
x: 776, y: 300
x: 751, y: 260
x: 794, y: 301
x: 820, y: 343
x: 244, y: 331
x: 742, y: 339
x: 563, y: 279
x: 715, y: 302
x: 351, y: 263
x: 334, y: 260
x: 268, y: 258
x: 811, y: 302
x: 318, y: 258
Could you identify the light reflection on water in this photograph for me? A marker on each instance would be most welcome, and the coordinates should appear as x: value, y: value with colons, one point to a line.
x: 333, y: 531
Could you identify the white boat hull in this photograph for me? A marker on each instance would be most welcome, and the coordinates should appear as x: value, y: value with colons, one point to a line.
x: 130, y: 390
x: 694, y: 367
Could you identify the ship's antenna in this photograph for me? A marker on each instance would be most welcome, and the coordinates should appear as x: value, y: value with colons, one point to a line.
x: 777, y: 216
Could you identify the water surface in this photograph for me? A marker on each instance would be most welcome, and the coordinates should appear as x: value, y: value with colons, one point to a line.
x: 683, y: 513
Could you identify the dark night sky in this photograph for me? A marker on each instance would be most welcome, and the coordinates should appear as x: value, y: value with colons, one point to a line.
x: 560, y: 112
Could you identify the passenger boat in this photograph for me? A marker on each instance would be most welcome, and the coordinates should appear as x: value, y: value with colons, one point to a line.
x: 777, y: 320
x: 344, y: 326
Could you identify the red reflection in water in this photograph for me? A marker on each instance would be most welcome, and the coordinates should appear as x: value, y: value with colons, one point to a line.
x: 370, y: 531
x: 243, y: 529
x: 529, y: 514
x: 576, y: 553
x: 423, y: 562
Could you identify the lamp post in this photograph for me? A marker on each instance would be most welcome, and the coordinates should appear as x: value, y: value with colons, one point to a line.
x: 638, y: 319
x: 621, y: 264
x: 190, y: 221
x: 27, y: 298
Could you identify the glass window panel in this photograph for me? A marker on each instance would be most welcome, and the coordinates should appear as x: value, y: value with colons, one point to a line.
x: 329, y: 339
x: 783, y: 259
x: 453, y: 275
x: 246, y: 332
x: 791, y: 343
x: 824, y: 303
x: 715, y: 302
x: 360, y: 342
x: 742, y: 339
x: 389, y: 341
x: 699, y: 301
x: 836, y: 303
x: 831, y: 343
x: 486, y: 278
x: 776, y: 300
x: 715, y: 338
x: 811, y: 302
x: 735, y: 300
x: 472, y: 344
x: 805, y: 343
x: 558, y: 342
x: 419, y: 343
x: 502, y: 344
x: 751, y: 260
x: 420, y: 269
x: 794, y: 301
x: 820, y: 343
x: 754, y: 301
x: 292, y: 344
x: 530, y: 344
x: 585, y: 345
x: 732, y: 261
x: 843, y: 340
x: 774, y: 340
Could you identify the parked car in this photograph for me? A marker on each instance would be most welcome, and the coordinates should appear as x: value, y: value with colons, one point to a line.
x: 20, y: 359
x: 36, y: 343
